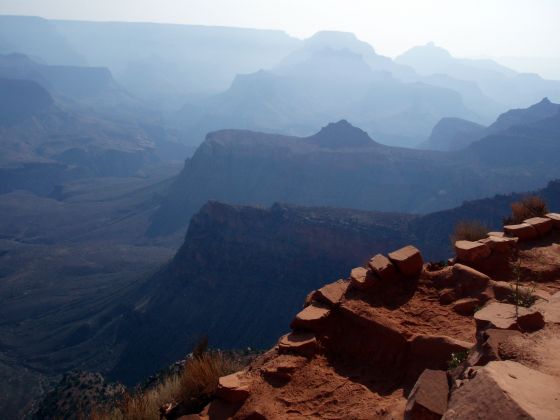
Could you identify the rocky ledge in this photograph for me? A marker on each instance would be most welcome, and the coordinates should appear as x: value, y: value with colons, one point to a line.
x: 477, y: 337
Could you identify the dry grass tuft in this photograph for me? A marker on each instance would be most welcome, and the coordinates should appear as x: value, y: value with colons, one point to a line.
x: 530, y: 206
x: 199, y: 379
x: 468, y: 230
x: 192, y: 388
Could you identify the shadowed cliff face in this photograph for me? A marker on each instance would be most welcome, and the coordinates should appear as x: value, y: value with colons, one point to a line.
x: 242, y: 272
x: 241, y: 275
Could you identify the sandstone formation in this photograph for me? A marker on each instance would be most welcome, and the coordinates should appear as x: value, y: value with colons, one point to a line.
x: 471, y: 251
x: 408, y: 260
x: 399, y: 339
x: 523, y: 231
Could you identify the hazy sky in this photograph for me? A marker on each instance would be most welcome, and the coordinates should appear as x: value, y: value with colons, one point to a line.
x: 497, y: 28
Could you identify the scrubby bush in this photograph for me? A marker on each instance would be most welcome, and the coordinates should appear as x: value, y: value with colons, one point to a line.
x: 192, y: 388
x: 530, y: 206
x: 468, y: 230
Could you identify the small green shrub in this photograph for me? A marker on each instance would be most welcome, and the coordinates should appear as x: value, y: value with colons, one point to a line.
x: 523, y: 296
x: 457, y: 359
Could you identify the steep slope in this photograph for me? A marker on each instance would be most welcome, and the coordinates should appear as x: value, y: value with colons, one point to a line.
x: 262, y: 262
x: 242, y: 167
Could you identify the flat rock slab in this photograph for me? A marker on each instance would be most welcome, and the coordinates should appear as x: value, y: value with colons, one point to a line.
x: 497, y: 315
x: 408, y: 260
x: 501, y: 244
x: 232, y: 388
x: 496, y: 234
x: 555, y: 217
x: 543, y: 224
x: 550, y: 308
x: 310, y: 317
x: 332, y: 293
x: 523, y: 231
x: 428, y: 398
x: 506, y: 390
x: 298, y: 343
x: 468, y: 251
x: 383, y: 268
x: 502, y: 316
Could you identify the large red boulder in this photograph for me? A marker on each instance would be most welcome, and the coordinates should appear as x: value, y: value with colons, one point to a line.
x: 408, y: 260
x: 383, y: 268
x: 506, y: 390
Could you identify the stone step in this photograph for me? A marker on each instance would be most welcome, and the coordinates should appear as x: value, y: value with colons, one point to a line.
x: 468, y: 251
x: 523, y: 231
x: 408, y: 260
x: 543, y: 225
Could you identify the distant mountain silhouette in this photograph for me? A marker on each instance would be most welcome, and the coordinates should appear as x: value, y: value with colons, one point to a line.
x: 503, y: 85
x: 346, y: 41
x: 456, y: 134
x: 316, y: 86
x: 341, y: 135
x: 452, y: 134
x: 244, y: 167
x: 149, y: 59
x: 75, y: 86
x: 534, y: 113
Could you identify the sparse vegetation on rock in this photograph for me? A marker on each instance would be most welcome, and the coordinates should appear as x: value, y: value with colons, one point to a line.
x: 468, y: 230
x: 530, y: 206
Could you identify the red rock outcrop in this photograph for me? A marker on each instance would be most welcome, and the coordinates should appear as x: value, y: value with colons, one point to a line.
x: 399, y: 339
